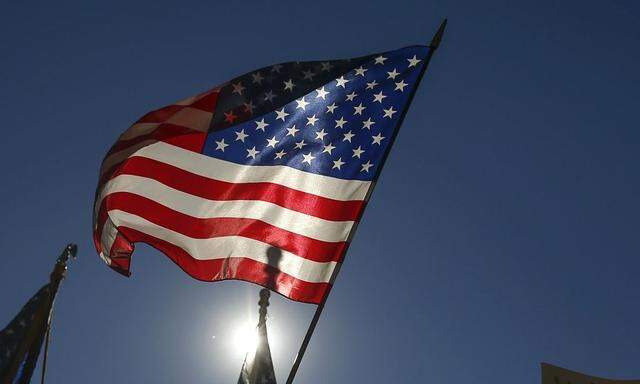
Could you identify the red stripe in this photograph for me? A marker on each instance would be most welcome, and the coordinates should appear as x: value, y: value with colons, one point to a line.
x: 161, y: 115
x: 162, y: 132
x: 191, y: 141
x: 207, y: 102
x: 307, y: 203
x: 120, y: 253
x: 200, y: 228
x: 236, y: 268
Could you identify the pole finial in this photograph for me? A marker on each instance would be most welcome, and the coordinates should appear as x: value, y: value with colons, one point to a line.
x: 59, y: 271
x: 437, y: 38
x: 263, y: 303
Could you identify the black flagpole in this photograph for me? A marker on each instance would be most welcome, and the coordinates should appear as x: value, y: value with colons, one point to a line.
x: 435, y: 43
x: 59, y: 273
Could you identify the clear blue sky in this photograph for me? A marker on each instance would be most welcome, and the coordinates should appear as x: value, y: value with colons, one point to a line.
x: 503, y: 231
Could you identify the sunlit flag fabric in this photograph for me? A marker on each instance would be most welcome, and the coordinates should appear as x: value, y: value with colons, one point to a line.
x: 261, y: 179
x: 21, y: 340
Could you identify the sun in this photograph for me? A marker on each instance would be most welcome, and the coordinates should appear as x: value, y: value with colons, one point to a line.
x: 245, y: 339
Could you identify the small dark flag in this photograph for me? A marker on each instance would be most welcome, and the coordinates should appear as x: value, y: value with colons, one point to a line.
x: 21, y: 340
x: 552, y: 374
x: 258, y: 366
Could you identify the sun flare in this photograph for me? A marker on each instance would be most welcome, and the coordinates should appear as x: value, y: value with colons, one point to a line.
x: 245, y: 339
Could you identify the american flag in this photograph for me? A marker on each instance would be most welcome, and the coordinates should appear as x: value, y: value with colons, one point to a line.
x: 261, y: 179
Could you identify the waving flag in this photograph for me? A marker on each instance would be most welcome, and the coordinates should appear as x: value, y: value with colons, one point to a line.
x: 21, y: 340
x: 261, y: 179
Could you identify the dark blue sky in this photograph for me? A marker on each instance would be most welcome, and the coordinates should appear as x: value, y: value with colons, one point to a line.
x: 503, y: 231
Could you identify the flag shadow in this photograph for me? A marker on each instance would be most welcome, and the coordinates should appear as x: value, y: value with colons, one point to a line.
x: 272, y: 268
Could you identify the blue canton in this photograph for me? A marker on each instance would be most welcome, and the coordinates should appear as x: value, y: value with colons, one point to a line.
x: 341, y: 129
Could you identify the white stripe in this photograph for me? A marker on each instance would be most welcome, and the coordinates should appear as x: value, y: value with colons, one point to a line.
x: 325, y: 186
x: 192, y: 118
x: 227, y: 247
x: 195, y: 206
x: 138, y: 129
x: 108, y: 237
x: 118, y: 157
x: 192, y: 99
x: 188, y: 100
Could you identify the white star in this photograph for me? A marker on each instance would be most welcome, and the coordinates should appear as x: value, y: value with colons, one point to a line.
x: 302, y: 103
x: 276, y: 68
x: 269, y: 96
x: 366, y: 166
x: 240, y: 135
x: 413, y: 61
x: 328, y: 148
x: 308, y: 158
x: 221, y: 145
x: 252, y: 153
x: 377, y: 139
x: 321, y: 93
x: 380, y: 60
x: 261, y: 125
x: 367, y: 124
x: 257, y: 78
x: 238, y: 88
x: 331, y: 108
x: 326, y: 66
x: 272, y: 142
x: 230, y: 117
x: 360, y: 71
x: 288, y: 85
x: 279, y: 155
x: 378, y: 97
x: 340, y: 123
x: 393, y: 74
x: 341, y: 81
x: 348, y: 136
x: 292, y: 131
x: 400, y: 86
x: 321, y: 134
x: 281, y: 114
x: 248, y: 107
x: 308, y: 75
x: 338, y: 163
x: 351, y: 96
x: 389, y: 112
x: 312, y: 120
x: 300, y: 144
x: 357, y: 152
x: 372, y: 84
x: 358, y: 109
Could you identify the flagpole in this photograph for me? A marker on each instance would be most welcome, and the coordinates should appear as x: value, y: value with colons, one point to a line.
x: 435, y: 43
x: 57, y: 275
